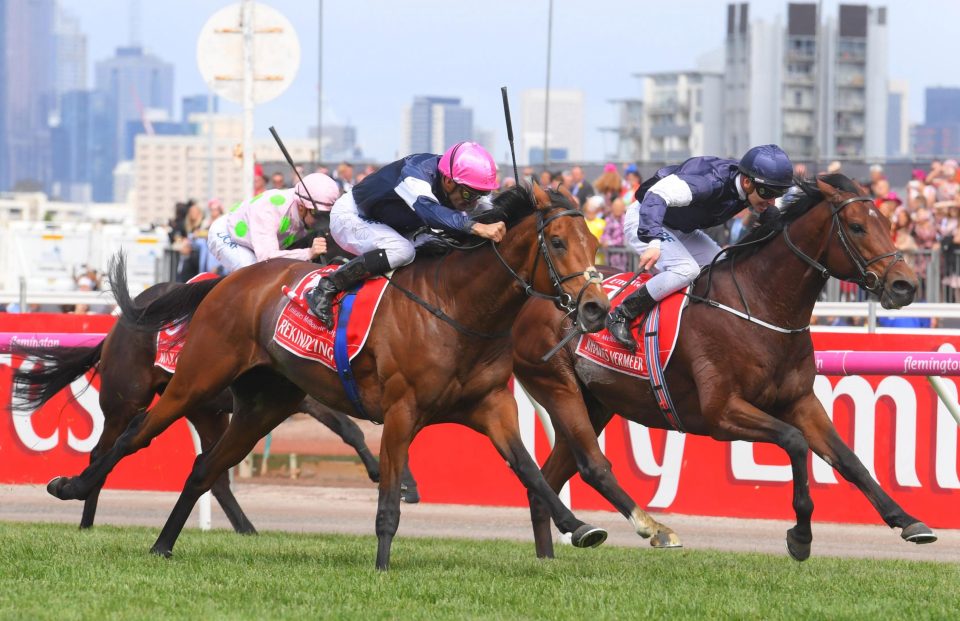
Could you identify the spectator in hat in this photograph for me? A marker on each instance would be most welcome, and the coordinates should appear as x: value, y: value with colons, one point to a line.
x: 609, y: 185
x: 631, y: 182
x: 888, y: 203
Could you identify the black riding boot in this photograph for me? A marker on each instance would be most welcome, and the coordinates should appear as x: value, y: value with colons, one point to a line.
x: 320, y: 298
x: 618, y: 321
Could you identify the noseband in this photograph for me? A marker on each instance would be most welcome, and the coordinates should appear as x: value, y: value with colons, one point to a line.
x: 867, y: 279
x: 561, y: 299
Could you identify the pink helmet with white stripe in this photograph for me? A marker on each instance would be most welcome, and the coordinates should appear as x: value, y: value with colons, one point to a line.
x: 317, y: 192
x: 469, y: 164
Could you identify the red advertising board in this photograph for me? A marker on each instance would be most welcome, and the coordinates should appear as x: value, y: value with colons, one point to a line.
x: 897, y: 425
x: 57, y: 438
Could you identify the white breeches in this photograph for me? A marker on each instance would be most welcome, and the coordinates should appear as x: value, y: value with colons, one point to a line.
x: 231, y: 255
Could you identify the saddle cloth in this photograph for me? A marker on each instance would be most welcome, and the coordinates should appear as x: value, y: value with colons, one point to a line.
x: 300, y: 332
x: 603, y: 349
x: 170, y: 341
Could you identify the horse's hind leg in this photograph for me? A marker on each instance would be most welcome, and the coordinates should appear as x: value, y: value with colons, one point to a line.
x: 185, y: 390
x: 810, y: 417
x: 113, y: 426
x: 262, y: 400
x: 211, y: 424
x: 739, y: 420
x: 348, y: 431
x: 496, y: 416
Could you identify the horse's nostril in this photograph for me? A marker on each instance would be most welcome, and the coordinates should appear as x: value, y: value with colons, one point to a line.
x: 592, y: 311
x: 903, y: 287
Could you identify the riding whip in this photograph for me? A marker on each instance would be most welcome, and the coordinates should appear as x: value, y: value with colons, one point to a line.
x: 286, y: 154
x: 506, y: 114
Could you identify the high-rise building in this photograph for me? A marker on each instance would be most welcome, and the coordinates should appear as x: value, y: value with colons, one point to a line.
x: 339, y: 143
x: 682, y: 115
x: 27, y: 55
x: 818, y: 87
x: 431, y: 124
x: 198, y: 104
x: 898, y: 119
x: 939, y: 135
x: 628, y: 131
x: 564, y: 130
x: 136, y: 82
x: 71, y: 60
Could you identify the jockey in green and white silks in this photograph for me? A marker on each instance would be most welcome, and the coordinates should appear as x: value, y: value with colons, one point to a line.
x: 266, y: 225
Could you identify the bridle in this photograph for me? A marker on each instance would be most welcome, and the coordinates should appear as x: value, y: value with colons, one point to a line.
x: 866, y: 278
x: 561, y: 299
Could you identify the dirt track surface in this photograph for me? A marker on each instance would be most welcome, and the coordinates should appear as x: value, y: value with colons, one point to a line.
x: 302, y: 508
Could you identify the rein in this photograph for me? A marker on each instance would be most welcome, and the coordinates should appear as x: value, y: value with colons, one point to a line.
x: 853, y: 254
x: 561, y: 299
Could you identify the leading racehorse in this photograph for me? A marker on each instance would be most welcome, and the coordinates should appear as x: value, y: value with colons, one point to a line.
x: 439, y: 351
x: 746, y: 376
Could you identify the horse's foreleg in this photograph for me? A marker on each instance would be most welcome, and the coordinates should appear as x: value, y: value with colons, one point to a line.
x: 740, y: 420
x: 496, y: 417
x: 114, y: 423
x: 810, y: 417
x: 349, y: 432
x: 262, y: 400
x: 398, y: 432
x: 211, y: 424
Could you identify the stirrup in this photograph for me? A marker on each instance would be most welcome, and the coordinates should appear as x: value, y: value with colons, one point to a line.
x: 320, y: 301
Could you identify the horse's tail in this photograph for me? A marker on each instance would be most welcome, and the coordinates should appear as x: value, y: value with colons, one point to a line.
x: 58, y: 368
x: 171, y: 309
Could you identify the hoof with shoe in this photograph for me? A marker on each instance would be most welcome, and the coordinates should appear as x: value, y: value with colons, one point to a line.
x: 55, y: 487
x: 799, y: 550
x: 161, y: 551
x: 918, y: 532
x: 588, y: 536
x: 409, y: 495
x: 666, y: 540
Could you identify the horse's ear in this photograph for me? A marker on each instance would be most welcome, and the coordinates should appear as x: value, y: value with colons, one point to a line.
x: 829, y: 192
x: 570, y: 197
x: 862, y: 191
x: 540, y: 197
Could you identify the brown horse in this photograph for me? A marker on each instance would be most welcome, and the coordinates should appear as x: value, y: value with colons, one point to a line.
x: 129, y: 383
x: 438, y: 352
x: 731, y: 378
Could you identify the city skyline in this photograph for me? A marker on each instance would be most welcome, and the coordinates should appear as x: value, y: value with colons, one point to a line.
x: 598, y: 51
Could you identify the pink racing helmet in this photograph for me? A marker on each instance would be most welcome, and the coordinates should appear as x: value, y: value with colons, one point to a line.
x: 317, y: 192
x: 469, y: 164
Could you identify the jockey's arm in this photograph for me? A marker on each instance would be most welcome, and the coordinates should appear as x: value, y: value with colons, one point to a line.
x: 671, y: 191
x: 418, y: 195
x: 265, y: 235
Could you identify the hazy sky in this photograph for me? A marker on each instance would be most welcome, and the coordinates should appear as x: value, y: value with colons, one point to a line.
x: 379, y: 54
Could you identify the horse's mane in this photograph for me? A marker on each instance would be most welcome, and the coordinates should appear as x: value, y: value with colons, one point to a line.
x: 802, y: 197
x: 515, y: 204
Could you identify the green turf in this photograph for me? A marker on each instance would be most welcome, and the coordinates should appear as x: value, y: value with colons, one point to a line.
x: 54, y: 571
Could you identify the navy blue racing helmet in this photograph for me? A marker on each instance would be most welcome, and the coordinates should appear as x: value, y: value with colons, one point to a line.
x: 768, y: 165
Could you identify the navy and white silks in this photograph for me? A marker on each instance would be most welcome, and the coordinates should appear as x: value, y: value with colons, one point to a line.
x: 674, y: 207
x: 383, y: 210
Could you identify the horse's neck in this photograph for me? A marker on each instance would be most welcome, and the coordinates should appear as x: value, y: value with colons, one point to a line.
x: 475, y: 289
x: 786, y: 287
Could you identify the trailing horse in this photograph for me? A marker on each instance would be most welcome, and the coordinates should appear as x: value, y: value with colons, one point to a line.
x: 747, y: 377
x: 439, y: 351
x: 129, y: 383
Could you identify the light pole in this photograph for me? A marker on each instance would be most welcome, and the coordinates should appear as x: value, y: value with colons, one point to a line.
x: 320, y: 86
x: 546, y: 94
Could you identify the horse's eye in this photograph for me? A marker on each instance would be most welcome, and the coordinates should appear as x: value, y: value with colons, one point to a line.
x: 557, y: 243
x: 857, y: 228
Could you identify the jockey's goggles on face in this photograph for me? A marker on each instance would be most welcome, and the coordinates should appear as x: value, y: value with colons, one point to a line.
x: 767, y: 192
x: 470, y: 195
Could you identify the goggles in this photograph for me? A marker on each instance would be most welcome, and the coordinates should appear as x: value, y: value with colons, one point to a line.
x: 767, y: 192
x: 470, y: 195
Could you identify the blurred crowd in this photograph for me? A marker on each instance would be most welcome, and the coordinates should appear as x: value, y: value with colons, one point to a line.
x: 924, y: 216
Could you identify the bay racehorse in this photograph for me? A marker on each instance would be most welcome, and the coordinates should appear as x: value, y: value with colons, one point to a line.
x: 129, y: 383
x: 732, y: 378
x: 439, y: 351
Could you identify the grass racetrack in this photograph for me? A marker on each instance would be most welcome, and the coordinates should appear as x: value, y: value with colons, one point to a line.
x: 55, y: 571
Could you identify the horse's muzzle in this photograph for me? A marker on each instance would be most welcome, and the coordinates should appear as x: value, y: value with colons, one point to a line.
x: 898, y: 294
x: 593, y: 315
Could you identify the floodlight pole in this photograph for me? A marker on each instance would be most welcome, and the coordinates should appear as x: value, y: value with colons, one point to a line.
x: 246, y: 23
x: 546, y: 93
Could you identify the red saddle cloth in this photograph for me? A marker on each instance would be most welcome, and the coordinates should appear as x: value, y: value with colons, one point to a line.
x: 603, y: 349
x: 300, y: 332
x: 170, y: 342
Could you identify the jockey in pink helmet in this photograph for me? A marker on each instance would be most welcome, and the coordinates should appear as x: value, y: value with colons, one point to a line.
x: 377, y: 218
x: 266, y: 225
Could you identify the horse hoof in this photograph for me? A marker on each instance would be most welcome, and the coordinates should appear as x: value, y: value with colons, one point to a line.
x: 410, y: 496
x: 918, y: 532
x: 799, y: 550
x: 588, y: 536
x: 55, y: 487
x: 161, y: 551
x: 666, y: 540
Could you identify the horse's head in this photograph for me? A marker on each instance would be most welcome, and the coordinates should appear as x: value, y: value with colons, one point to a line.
x: 559, y: 253
x: 860, y: 249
